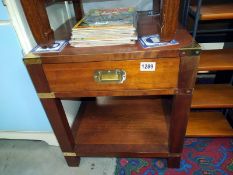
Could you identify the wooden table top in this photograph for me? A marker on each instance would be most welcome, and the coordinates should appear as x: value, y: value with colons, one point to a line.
x: 147, y: 25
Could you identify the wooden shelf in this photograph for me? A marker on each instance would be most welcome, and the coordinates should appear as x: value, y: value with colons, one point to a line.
x: 212, y: 96
x: 146, y: 25
x: 112, y: 126
x: 215, y: 11
x: 208, y: 124
x: 214, y: 60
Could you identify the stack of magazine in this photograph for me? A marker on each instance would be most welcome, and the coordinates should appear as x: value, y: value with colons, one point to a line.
x: 105, y: 27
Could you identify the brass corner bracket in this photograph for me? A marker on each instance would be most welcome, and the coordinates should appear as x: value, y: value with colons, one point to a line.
x: 46, y: 95
x: 69, y: 154
x: 31, y: 58
x: 193, y: 49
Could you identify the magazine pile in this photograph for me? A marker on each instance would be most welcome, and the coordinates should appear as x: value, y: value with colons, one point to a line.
x: 105, y: 27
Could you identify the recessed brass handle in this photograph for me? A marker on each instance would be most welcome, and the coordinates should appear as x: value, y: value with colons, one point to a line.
x: 110, y: 76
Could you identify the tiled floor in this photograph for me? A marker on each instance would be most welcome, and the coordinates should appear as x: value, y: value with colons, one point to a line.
x: 19, y: 157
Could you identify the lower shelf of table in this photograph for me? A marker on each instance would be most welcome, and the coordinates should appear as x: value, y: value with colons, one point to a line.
x: 123, y: 126
x: 208, y: 124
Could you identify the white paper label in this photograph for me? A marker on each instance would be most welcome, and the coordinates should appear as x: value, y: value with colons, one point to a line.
x: 147, y: 66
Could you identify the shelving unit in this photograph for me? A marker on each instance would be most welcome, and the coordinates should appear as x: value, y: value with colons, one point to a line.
x: 124, y: 110
x: 217, y: 13
x: 205, y: 121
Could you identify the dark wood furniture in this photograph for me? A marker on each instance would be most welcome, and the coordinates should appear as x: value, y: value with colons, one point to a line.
x: 145, y: 115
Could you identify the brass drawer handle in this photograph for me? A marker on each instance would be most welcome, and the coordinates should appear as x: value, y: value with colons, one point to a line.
x: 110, y: 76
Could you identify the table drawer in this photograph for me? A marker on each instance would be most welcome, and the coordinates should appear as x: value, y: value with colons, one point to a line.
x: 113, y: 75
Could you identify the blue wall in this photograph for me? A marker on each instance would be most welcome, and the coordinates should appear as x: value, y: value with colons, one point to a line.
x: 3, y: 12
x: 20, y: 108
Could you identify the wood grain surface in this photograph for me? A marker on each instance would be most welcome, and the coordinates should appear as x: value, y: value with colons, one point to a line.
x: 38, y: 78
x: 208, y: 124
x: 188, y: 72
x: 147, y: 25
x: 169, y: 19
x: 212, y: 96
x: 80, y: 76
x: 215, y: 11
x: 94, y: 93
x: 123, y: 126
x: 214, y: 60
x: 38, y: 21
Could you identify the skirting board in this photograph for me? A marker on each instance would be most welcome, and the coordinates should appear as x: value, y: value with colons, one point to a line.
x: 48, y: 137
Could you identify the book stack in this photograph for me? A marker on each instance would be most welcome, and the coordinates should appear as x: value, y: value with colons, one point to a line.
x: 105, y: 27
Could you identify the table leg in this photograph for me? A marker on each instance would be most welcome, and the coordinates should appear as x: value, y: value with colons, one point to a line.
x: 55, y: 114
x: 181, y: 106
x: 173, y: 162
x: 178, y: 124
x: 59, y: 123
